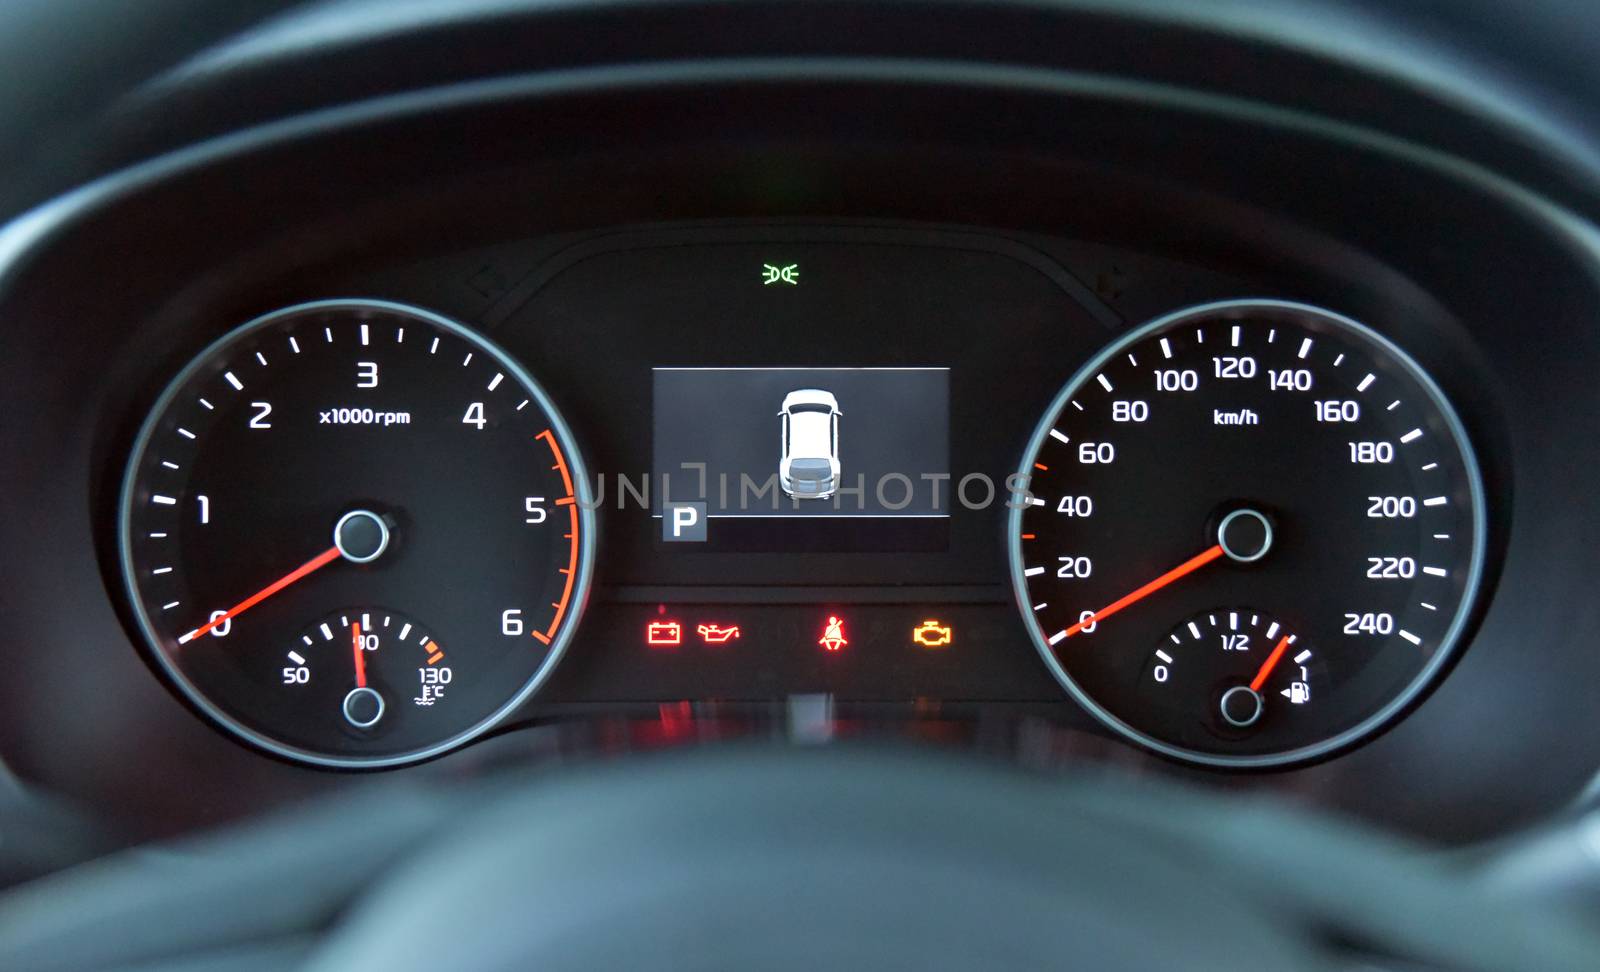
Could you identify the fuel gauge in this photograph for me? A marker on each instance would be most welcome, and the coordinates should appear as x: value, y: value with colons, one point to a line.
x: 1233, y: 673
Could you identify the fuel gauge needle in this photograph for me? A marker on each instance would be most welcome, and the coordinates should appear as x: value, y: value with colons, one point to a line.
x: 1265, y: 671
x: 316, y: 563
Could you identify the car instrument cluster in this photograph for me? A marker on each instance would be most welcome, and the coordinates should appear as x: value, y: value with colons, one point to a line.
x: 356, y: 532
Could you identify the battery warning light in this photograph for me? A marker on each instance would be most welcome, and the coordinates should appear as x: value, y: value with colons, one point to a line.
x: 932, y: 634
x: 663, y: 633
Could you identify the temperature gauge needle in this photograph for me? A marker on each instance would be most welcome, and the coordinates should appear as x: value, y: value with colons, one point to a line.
x: 1182, y: 570
x: 361, y: 662
x: 1265, y: 671
x: 316, y: 563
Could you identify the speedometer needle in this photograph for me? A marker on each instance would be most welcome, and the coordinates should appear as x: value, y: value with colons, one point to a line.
x: 316, y: 563
x: 1187, y: 567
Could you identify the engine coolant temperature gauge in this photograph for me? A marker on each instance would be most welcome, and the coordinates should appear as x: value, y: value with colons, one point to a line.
x: 1234, y: 673
x: 366, y: 671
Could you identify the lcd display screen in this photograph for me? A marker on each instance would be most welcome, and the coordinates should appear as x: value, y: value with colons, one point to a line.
x: 783, y: 444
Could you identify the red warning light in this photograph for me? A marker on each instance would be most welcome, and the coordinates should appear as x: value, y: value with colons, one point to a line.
x: 663, y: 633
x: 833, y: 634
x: 716, y: 634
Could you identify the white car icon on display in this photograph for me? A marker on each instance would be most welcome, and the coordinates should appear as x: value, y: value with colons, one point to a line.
x: 809, y: 468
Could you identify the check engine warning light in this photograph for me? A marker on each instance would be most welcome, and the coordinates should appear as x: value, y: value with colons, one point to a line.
x: 932, y: 634
x: 833, y: 634
x: 660, y: 634
x: 716, y: 634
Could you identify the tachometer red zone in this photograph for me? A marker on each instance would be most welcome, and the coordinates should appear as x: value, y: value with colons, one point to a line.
x: 570, y: 501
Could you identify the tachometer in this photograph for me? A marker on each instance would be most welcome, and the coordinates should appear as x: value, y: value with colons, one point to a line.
x: 1255, y: 533
x: 352, y: 533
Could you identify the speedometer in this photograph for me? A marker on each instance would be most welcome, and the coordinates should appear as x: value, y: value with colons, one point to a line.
x: 1254, y: 533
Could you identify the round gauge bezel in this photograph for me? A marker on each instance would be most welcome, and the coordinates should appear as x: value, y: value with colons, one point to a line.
x: 1449, y: 645
x: 196, y: 697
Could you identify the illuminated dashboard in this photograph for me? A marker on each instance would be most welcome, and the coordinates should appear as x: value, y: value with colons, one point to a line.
x: 793, y: 462
x: 1001, y: 439
x: 1037, y: 439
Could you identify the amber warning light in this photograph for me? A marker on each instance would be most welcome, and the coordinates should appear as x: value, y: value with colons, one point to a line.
x: 932, y: 634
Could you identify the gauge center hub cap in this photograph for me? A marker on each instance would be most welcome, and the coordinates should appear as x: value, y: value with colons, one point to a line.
x: 1245, y: 535
x: 361, y: 536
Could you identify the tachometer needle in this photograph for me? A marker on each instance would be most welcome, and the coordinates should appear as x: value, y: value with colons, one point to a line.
x: 361, y: 663
x: 1187, y: 567
x: 1265, y: 671
x: 316, y: 563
